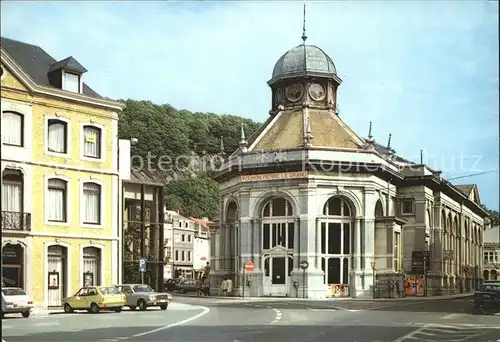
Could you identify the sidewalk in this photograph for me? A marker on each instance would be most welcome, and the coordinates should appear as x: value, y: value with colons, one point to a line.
x: 364, y: 298
x: 39, y: 311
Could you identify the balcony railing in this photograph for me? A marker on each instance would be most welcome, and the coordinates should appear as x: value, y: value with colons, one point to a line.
x: 16, y: 221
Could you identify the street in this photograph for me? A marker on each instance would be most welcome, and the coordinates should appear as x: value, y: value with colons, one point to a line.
x: 221, y: 320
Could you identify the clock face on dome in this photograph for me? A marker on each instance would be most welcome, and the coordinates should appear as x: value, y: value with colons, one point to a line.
x: 294, y: 92
x: 317, y: 92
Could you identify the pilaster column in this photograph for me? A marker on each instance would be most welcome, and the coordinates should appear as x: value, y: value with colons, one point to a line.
x: 296, y: 244
x: 318, y: 242
x: 357, y: 239
x: 257, y: 244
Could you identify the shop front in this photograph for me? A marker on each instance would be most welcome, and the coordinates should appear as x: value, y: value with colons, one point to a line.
x: 13, y: 265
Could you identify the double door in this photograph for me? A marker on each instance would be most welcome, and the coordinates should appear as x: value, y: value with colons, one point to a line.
x: 278, y: 280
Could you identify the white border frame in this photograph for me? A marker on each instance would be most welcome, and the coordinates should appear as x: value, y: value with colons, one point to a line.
x: 102, y: 248
x: 103, y: 200
x: 68, y: 200
x: 19, y: 153
x: 80, y: 80
x: 69, y: 290
x: 46, y: 136
x: 82, y: 142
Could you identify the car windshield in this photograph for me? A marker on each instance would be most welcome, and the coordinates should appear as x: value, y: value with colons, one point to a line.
x: 13, y: 292
x: 109, y: 291
x: 143, y: 288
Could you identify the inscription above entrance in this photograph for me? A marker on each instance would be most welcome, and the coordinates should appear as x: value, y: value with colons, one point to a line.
x: 273, y: 176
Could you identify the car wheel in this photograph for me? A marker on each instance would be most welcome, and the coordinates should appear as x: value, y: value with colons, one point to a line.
x: 26, y: 314
x: 163, y: 307
x: 94, y: 308
x: 142, y: 305
x: 182, y: 291
x: 68, y: 308
x: 132, y: 307
x: 118, y: 310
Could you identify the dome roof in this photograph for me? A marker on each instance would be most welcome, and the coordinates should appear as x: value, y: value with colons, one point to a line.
x: 304, y: 58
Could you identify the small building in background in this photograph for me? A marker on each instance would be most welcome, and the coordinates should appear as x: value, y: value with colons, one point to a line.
x: 178, y: 244
x: 491, y: 255
x: 201, y: 248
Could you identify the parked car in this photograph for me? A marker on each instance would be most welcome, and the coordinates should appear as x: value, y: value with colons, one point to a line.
x: 487, y: 302
x: 490, y: 287
x: 186, y: 285
x: 94, y: 299
x: 170, y: 284
x: 15, y: 300
x: 143, y: 296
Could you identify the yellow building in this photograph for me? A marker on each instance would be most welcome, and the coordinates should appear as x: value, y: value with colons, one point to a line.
x: 60, y: 180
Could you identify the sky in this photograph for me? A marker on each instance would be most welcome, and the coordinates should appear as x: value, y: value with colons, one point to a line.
x: 426, y: 72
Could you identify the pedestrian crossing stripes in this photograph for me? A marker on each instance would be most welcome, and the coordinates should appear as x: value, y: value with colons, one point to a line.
x: 439, y: 332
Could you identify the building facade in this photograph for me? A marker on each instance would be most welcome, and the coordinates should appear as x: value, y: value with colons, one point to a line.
x: 307, y: 190
x: 201, y: 244
x: 491, y: 255
x: 59, y: 176
x: 143, y: 228
x: 179, y: 245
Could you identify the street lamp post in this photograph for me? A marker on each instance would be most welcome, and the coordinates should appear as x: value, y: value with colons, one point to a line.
x: 372, y: 264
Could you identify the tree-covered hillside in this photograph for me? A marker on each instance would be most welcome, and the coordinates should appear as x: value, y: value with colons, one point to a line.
x: 162, y: 130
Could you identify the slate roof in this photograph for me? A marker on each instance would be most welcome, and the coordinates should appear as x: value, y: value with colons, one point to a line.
x: 148, y: 177
x: 304, y: 58
x: 69, y: 63
x: 466, y: 189
x: 37, y: 63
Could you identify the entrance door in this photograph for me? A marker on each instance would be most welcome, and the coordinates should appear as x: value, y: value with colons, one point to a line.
x: 278, y: 276
x: 56, y: 275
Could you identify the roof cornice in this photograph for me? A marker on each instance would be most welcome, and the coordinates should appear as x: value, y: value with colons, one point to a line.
x: 54, y: 92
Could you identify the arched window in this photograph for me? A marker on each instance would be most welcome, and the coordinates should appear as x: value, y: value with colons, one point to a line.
x: 92, y: 203
x: 57, y: 136
x: 12, y: 128
x: 12, y: 191
x: 379, y: 209
x: 278, y: 224
x: 92, y: 141
x: 56, y: 201
x: 336, y: 239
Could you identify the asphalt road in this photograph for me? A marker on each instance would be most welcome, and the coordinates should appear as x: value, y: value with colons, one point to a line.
x: 212, y: 320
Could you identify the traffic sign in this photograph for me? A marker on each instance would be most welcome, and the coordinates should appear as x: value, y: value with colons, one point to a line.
x: 249, y: 266
x: 142, y: 265
x: 304, y: 264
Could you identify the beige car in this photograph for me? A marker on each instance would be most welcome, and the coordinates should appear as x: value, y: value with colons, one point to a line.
x: 143, y: 296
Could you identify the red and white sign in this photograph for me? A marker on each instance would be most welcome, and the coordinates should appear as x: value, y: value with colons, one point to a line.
x: 203, y: 258
x: 249, y: 266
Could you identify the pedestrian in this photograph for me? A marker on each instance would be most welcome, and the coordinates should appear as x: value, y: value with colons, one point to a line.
x: 223, y: 286
x: 199, y: 284
x: 229, y: 286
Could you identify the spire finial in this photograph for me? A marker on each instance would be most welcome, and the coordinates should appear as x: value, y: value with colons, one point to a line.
x: 243, y: 140
x: 304, y: 37
x: 389, y: 142
x: 222, y: 151
x: 370, y: 131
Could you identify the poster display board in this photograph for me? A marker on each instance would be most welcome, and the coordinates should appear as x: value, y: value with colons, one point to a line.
x: 339, y: 290
x: 415, y: 285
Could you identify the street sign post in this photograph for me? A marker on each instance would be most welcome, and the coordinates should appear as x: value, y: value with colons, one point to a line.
x: 142, y: 268
x: 249, y: 268
x: 304, y: 265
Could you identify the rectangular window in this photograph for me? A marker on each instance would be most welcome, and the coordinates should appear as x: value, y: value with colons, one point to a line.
x: 189, y: 238
x: 334, y: 239
x: 168, y: 253
x: 56, y: 200
x: 92, y: 203
x: 189, y: 256
x: 291, y: 235
x: 485, y: 256
x: 183, y: 256
x: 266, y: 234
x: 183, y: 238
x: 490, y: 257
x: 347, y: 238
x: 397, y: 256
x: 407, y: 206
x: 176, y: 255
x: 57, y: 132
x: 91, y: 142
x: 12, y: 128
x: 71, y: 82
x: 323, y: 238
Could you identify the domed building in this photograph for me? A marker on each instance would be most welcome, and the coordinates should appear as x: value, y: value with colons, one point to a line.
x: 320, y: 211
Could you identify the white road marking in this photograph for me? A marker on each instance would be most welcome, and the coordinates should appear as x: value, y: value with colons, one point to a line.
x: 323, y: 309
x: 453, y: 315
x: 204, y: 312
x: 278, y: 315
x: 460, y: 330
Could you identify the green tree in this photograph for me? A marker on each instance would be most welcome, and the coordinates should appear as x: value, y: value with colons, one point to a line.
x: 194, y: 196
x: 494, y: 215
